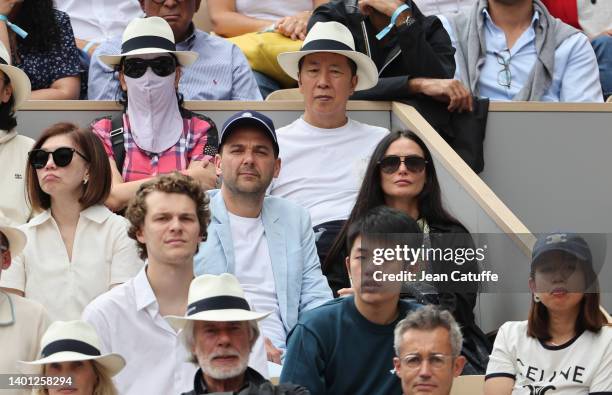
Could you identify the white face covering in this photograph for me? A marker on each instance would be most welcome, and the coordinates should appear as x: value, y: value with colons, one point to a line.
x: 155, y: 120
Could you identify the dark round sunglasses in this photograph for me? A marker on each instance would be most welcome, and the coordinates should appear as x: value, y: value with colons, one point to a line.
x: 163, y: 66
x: 390, y: 164
x: 61, y: 157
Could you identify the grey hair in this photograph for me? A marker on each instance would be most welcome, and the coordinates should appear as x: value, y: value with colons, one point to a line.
x: 428, y: 318
x: 188, y: 338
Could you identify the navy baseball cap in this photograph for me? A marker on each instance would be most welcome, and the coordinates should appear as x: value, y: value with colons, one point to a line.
x: 249, y: 118
x: 571, y: 243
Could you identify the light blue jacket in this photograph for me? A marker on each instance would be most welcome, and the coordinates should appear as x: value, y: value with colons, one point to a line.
x: 300, y: 285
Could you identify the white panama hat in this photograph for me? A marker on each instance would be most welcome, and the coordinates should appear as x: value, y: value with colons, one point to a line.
x: 331, y: 37
x: 144, y: 36
x: 16, y: 238
x: 22, y: 88
x: 67, y: 341
x: 215, y: 298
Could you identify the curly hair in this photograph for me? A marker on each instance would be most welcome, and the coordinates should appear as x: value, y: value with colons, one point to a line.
x: 168, y: 183
x: 38, y: 18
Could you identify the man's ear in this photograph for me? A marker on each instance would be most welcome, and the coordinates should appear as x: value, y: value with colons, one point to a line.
x: 277, y: 167
x: 347, y: 263
x: 142, y: 5
x: 459, y: 364
x: 354, y: 81
x: 397, y: 365
x: 218, y: 170
x: 197, y: 5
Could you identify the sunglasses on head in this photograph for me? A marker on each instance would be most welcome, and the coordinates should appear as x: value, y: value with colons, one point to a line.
x: 61, y: 157
x: 390, y: 164
x: 163, y: 66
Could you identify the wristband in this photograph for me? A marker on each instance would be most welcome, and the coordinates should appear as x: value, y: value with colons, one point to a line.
x: 88, y: 46
x: 19, y: 31
x: 388, y: 28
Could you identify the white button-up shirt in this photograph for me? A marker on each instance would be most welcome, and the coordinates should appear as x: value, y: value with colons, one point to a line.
x: 102, y: 255
x: 99, y: 20
x: 128, y: 322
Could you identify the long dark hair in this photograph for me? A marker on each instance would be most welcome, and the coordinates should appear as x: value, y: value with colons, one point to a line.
x: 371, y: 194
x: 38, y: 18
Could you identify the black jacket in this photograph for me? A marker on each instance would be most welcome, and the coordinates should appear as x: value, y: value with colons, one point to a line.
x: 421, y: 50
x: 255, y: 384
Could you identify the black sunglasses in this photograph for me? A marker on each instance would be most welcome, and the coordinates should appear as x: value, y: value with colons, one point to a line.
x: 390, y: 164
x: 61, y: 157
x: 163, y: 66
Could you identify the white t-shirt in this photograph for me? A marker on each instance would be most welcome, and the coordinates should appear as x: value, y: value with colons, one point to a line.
x: 102, y: 255
x: 99, y: 20
x: 254, y: 272
x: 435, y: 7
x: 322, y: 169
x: 272, y: 10
x: 581, y: 366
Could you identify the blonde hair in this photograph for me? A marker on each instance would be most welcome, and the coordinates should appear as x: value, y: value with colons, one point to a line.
x: 104, y: 385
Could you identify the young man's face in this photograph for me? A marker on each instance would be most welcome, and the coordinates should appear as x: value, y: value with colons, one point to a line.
x: 326, y: 81
x: 366, y: 277
x: 246, y: 162
x: 171, y: 230
x: 437, y: 368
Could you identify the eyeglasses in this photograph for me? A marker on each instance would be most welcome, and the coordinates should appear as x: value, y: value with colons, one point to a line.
x: 61, y: 157
x: 163, y: 66
x: 436, y: 361
x: 390, y: 164
x: 504, y: 77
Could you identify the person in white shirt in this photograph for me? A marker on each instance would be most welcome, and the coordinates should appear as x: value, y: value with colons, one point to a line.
x: 324, y: 152
x: 168, y: 219
x: 22, y: 321
x: 94, y: 21
x: 565, y: 346
x: 77, y: 248
x: 15, y: 89
x: 266, y: 242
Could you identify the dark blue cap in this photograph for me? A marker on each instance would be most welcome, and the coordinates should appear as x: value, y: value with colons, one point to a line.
x: 571, y: 243
x: 249, y: 118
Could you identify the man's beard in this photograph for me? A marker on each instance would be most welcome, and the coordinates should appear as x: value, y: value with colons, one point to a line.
x: 223, y: 373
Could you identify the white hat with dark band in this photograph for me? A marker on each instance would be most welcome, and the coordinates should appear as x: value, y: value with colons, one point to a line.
x: 331, y: 37
x: 216, y: 298
x: 145, y: 36
x: 68, y: 341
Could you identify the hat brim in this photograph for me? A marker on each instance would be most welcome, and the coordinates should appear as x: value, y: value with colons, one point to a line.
x: 185, y: 58
x: 367, y: 73
x: 22, y: 87
x: 560, y: 248
x: 227, y: 315
x: 112, y: 362
x: 16, y: 238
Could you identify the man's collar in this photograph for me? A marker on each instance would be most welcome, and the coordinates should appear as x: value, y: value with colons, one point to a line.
x: 143, y: 292
x: 487, y: 17
x: 251, y: 376
x: 191, y: 33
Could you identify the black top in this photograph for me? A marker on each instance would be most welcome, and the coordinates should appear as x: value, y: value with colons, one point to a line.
x: 422, y: 49
x: 254, y: 384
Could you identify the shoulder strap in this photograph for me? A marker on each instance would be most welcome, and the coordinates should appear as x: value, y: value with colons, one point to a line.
x: 212, y: 135
x: 117, y: 140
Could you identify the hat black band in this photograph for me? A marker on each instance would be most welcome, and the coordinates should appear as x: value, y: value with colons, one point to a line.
x: 69, y: 345
x: 2, y: 61
x: 147, y: 42
x: 326, y: 45
x: 218, y: 303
